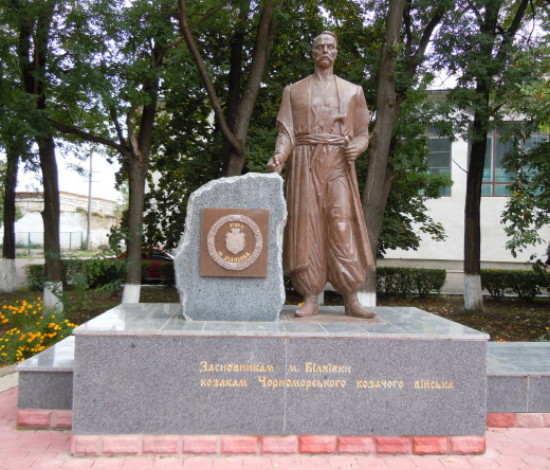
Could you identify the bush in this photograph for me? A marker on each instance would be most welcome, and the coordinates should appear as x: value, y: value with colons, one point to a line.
x: 167, y: 274
x: 525, y: 284
x: 82, y: 273
x: 29, y: 330
x: 406, y: 281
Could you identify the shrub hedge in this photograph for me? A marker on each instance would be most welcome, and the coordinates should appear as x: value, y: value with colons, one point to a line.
x: 525, y: 284
x: 92, y: 274
x: 406, y: 281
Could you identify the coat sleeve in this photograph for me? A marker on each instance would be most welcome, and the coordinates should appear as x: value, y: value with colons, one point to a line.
x: 361, y: 119
x: 285, y: 127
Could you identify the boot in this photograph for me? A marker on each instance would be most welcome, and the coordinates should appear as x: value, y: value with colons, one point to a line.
x: 310, y: 307
x: 355, y: 309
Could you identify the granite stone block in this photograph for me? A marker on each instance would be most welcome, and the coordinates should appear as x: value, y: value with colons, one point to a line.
x: 389, y: 375
x: 296, y: 379
x: 507, y: 394
x: 539, y: 394
x: 169, y: 385
x: 45, y: 390
x: 233, y: 298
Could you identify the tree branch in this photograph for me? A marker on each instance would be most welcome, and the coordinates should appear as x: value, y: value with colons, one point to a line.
x: 132, y: 138
x: 114, y: 118
x: 213, y: 97
x: 415, y: 60
x: 476, y: 12
x: 209, y: 14
x: 512, y: 30
x: 84, y: 135
x: 408, y: 29
x: 264, y: 40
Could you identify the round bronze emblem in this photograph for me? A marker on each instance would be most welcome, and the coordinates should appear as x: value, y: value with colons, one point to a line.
x: 230, y: 251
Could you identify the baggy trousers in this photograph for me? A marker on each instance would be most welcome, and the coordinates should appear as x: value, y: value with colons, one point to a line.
x: 333, y: 249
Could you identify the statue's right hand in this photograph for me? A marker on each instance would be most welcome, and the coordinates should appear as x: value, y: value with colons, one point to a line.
x: 275, y: 164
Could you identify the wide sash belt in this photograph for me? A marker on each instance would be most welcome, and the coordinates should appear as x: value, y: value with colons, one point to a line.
x: 320, y: 139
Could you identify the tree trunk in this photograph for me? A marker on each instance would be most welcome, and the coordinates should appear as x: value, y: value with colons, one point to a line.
x: 138, y: 166
x: 33, y: 63
x: 473, y: 299
x: 53, y: 287
x: 235, y: 135
x: 8, y: 279
x: 379, y: 176
x: 136, y: 198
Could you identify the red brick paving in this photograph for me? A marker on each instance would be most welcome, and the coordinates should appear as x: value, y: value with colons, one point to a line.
x: 507, y: 449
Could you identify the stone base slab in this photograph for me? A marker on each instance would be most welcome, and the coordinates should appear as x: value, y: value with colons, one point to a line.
x: 223, y: 445
x: 143, y: 370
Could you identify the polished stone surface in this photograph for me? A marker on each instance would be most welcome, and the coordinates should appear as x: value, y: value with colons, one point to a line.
x: 144, y: 369
x: 391, y: 322
x: 519, y: 359
x: 233, y: 298
x: 46, y: 380
x: 518, y: 377
x: 518, y: 382
x: 57, y: 358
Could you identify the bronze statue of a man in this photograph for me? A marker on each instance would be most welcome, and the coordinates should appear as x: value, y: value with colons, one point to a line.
x: 323, y: 127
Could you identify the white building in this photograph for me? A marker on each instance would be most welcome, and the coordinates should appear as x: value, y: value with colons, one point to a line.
x: 29, y: 229
x: 452, y: 158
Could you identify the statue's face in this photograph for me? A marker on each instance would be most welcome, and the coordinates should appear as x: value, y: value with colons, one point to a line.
x: 324, y: 51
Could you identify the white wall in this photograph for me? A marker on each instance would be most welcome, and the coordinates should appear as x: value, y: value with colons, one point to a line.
x: 450, y: 212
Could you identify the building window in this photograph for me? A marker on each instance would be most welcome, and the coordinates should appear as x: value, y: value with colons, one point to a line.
x: 439, y: 159
x: 496, y: 179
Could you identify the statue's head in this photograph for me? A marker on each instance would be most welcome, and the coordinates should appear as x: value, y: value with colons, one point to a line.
x: 325, y: 49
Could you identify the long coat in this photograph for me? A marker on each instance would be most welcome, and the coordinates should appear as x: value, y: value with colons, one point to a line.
x: 294, y: 121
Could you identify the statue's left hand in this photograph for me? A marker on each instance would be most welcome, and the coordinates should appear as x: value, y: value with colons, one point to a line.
x: 352, y: 149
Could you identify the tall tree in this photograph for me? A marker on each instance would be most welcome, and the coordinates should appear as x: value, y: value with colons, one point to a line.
x: 32, y: 22
x: 409, y: 27
x: 482, y: 46
x: 234, y: 122
x: 14, y: 140
x: 121, y: 98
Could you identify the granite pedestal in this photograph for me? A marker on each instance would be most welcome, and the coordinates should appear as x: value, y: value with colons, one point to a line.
x: 143, y: 369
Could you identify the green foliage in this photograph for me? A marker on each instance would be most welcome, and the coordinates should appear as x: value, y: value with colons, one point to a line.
x: 83, y: 274
x: 167, y: 274
x: 406, y: 216
x: 29, y: 328
x: 406, y: 281
x: 97, y: 273
x: 524, y: 284
x: 528, y: 208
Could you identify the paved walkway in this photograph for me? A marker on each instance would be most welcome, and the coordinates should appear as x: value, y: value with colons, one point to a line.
x: 507, y: 449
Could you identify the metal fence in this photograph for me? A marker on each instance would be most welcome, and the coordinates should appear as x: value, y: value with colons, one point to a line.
x: 32, y: 242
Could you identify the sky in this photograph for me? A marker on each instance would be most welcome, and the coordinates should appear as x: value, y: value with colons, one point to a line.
x: 103, y: 180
